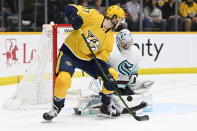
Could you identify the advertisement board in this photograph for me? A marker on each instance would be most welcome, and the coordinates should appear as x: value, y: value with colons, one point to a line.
x: 159, y: 51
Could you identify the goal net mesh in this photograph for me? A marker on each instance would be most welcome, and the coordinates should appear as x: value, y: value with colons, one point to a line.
x: 36, y: 88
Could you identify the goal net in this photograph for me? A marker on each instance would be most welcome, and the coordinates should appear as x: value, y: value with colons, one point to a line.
x: 36, y: 88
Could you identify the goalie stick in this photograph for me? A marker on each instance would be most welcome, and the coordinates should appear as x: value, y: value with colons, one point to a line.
x: 135, y: 108
x: 138, y: 118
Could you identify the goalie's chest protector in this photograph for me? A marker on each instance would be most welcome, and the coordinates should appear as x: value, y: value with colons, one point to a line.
x: 116, y: 58
x: 100, y: 40
x: 125, y: 62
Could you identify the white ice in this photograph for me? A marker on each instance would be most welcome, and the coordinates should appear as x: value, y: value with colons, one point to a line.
x: 174, y: 109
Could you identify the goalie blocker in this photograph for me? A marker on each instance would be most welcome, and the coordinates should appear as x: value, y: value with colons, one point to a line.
x: 138, y: 100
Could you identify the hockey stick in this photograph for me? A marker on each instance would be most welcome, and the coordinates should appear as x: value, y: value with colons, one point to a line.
x: 135, y: 108
x: 139, y: 118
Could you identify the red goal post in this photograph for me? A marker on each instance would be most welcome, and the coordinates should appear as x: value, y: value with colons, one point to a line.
x: 36, y: 87
x: 55, y: 44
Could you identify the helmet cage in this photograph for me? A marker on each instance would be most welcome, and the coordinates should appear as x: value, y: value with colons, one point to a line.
x: 124, y: 39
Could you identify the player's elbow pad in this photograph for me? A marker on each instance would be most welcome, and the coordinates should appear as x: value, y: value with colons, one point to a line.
x: 70, y: 11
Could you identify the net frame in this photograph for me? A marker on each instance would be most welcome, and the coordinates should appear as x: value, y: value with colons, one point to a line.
x: 16, y: 101
x: 55, y: 43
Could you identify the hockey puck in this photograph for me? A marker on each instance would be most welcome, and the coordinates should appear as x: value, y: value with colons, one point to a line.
x: 129, y: 98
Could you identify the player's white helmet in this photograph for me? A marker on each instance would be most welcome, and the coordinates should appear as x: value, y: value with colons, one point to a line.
x: 124, y: 39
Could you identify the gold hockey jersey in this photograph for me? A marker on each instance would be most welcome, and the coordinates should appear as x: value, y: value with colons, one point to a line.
x: 100, y: 40
x: 185, y: 10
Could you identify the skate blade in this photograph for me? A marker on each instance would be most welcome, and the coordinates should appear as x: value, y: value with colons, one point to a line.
x: 46, y: 121
x: 99, y: 114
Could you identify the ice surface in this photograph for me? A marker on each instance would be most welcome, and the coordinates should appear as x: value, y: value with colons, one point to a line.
x: 174, y: 109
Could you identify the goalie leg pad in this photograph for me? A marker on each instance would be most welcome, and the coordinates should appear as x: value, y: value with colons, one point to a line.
x: 62, y: 84
x: 88, y: 105
x: 149, y: 101
x: 131, y: 100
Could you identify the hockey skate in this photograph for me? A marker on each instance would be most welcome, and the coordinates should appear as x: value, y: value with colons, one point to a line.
x: 51, y: 114
x: 58, y: 104
x: 108, y: 112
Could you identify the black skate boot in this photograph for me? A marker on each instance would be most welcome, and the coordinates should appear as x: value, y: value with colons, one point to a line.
x: 58, y: 104
x: 107, y: 109
x: 51, y: 114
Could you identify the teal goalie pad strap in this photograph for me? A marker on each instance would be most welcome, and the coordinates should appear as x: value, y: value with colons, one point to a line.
x: 90, y: 108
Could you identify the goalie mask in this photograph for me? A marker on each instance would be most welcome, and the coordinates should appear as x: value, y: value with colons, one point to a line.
x: 124, y: 40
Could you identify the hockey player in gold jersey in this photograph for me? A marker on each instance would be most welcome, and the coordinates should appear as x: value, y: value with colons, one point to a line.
x: 75, y: 54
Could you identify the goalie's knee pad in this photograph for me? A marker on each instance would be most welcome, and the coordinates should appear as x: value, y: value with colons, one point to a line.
x: 62, y: 84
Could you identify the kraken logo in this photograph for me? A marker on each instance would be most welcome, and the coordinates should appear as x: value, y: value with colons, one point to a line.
x: 125, y: 68
x: 93, y: 41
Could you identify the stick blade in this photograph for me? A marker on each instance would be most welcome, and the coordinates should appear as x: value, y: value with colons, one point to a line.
x: 141, y: 118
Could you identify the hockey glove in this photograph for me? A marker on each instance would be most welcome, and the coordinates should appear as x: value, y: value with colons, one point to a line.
x: 77, y: 22
x: 110, y: 84
x: 71, y: 13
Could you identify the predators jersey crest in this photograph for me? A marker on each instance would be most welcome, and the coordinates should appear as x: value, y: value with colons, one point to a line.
x: 93, y: 41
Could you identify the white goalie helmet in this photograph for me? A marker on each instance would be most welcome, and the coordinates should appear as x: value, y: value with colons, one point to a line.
x: 124, y: 39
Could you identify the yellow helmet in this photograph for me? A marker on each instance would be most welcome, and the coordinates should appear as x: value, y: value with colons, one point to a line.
x: 115, y: 10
